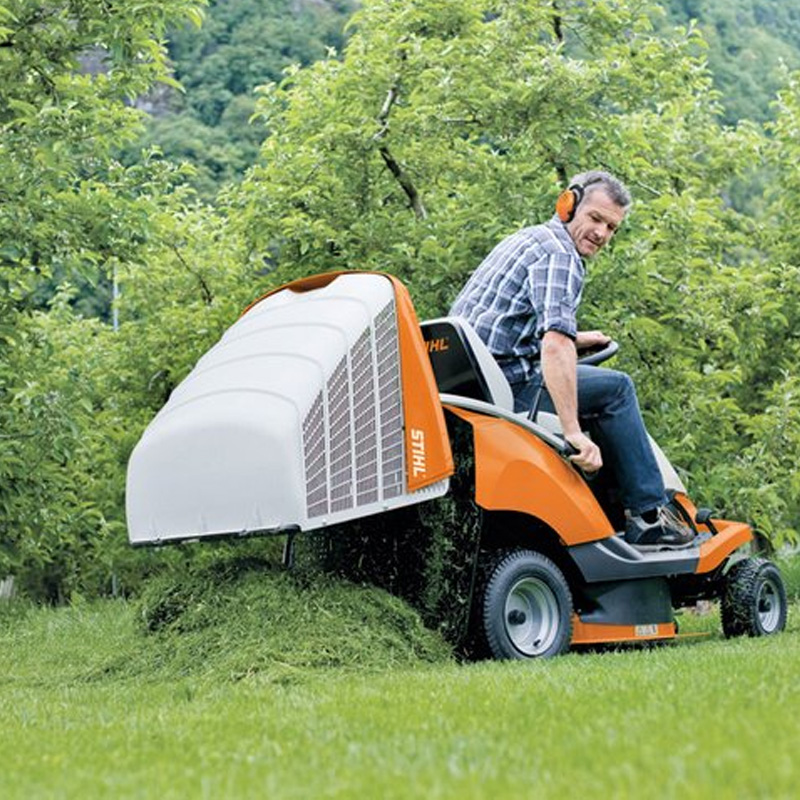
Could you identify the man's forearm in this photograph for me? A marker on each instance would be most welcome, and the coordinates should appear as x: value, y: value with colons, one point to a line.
x: 559, y: 369
x: 559, y: 362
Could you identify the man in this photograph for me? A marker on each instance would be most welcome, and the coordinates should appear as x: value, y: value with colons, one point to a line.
x: 523, y: 300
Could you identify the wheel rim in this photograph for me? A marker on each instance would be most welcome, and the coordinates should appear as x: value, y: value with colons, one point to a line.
x: 768, y: 605
x: 531, y: 616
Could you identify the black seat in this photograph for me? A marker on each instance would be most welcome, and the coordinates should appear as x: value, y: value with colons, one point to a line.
x: 462, y: 363
x: 465, y: 368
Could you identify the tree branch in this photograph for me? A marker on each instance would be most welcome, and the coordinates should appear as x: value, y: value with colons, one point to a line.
x: 383, y: 116
x: 208, y: 298
x: 558, y: 30
x: 405, y: 182
x: 394, y: 166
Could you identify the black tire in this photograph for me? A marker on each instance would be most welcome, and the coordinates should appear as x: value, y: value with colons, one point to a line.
x: 527, y: 608
x: 753, y: 599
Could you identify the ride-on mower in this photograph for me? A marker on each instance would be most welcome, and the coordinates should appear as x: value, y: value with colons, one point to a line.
x: 328, y: 402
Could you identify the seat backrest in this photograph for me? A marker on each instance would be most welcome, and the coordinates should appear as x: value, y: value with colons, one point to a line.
x: 462, y: 363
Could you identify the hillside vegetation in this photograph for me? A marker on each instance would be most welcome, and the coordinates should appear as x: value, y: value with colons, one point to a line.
x: 752, y: 44
x: 240, y: 46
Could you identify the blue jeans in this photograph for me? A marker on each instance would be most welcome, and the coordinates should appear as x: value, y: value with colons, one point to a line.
x: 609, y: 409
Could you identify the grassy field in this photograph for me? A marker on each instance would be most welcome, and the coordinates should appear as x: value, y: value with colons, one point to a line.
x: 93, y: 706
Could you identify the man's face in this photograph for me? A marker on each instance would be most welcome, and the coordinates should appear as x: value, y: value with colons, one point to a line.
x: 595, y: 222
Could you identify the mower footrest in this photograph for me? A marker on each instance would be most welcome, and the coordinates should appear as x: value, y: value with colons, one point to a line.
x: 716, y: 549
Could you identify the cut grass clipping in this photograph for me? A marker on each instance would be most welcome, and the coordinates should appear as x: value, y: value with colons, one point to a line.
x: 242, y: 617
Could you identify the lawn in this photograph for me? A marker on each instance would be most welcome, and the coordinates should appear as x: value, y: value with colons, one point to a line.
x: 93, y: 708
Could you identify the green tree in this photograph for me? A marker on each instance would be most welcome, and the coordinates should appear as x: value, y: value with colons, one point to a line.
x: 770, y: 334
x: 447, y: 125
x: 443, y: 125
x: 68, y: 71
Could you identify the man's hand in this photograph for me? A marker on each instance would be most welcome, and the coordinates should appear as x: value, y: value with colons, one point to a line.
x: 585, y: 340
x: 588, y: 457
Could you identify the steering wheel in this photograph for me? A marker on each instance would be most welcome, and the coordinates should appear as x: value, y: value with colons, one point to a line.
x: 598, y: 353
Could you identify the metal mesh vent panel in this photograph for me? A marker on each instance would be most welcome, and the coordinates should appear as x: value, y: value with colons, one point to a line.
x: 314, y: 447
x: 366, y: 439
x: 340, y: 433
x: 353, y: 438
x: 389, y: 398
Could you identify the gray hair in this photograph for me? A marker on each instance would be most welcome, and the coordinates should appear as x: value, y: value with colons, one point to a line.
x: 599, y: 179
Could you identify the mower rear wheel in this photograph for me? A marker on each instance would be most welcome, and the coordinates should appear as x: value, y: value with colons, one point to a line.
x: 527, y: 608
x: 754, y: 599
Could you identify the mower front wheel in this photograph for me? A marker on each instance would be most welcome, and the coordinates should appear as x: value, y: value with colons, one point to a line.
x: 753, y: 600
x: 527, y: 608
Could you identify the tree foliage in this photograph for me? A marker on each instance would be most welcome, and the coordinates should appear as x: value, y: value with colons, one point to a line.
x: 69, y: 209
x: 445, y: 126
x: 441, y: 126
x: 245, y: 44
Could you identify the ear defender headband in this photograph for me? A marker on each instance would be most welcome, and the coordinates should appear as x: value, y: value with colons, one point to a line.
x: 568, y: 202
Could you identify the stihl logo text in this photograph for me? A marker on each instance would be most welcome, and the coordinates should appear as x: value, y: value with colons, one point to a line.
x: 437, y: 345
x: 418, y: 465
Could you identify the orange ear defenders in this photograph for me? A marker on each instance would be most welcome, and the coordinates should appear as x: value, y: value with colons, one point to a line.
x: 568, y: 202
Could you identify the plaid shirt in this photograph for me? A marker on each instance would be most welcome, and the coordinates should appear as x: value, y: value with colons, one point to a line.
x: 529, y: 284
